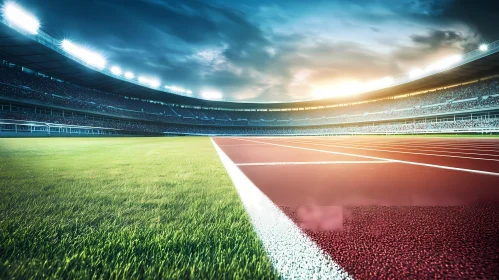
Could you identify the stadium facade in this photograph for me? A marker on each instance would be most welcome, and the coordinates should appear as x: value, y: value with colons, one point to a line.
x: 48, y: 88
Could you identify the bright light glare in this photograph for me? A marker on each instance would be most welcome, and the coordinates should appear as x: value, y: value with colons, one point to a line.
x: 337, y: 90
x: 211, y: 94
x: 89, y: 57
x: 178, y: 89
x: 350, y: 88
x: 154, y: 83
x: 324, y: 92
x: 444, y: 63
x: 129, y: 75
x: 483, y: 47
x: 16, y: 15
x: 387, y: 81
x: 116, y: 70
x: 381, y: 83
x: 416, y: 73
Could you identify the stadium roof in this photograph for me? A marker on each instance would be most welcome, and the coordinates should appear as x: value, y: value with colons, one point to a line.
x: 43, y: 54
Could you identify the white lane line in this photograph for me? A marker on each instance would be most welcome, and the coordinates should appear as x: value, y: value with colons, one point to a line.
x: 312, y: 162
x: 293, y: 254
x: 445, y: 147
x: 396, y: 145
x: 451, y: 144
x: 392, y: 151
x: 421, y: 149
x: 235, y: 145
x: 379, y: 158
x: 437, y: 146
x: 417, y: 143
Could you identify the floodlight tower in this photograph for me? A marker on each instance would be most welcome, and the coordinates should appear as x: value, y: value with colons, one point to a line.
x: 483, y: 47
x: 18, y: 18
x: 89, y: 57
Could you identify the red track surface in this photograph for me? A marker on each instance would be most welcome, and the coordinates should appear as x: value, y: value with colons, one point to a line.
x: 400, y: 219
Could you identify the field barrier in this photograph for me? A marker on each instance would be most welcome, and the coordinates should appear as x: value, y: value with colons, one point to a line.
x: 16, y: 128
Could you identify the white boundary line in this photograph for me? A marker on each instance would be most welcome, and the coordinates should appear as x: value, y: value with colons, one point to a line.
x: 424, y: 149
x: 444, y: 147
x: 397, y: 143
x: 390, y: 151
x: 395, y: 147
x: 312, y: 162
x: 378, y: 158
x: 408, y: 146
x: 416, y: 147
x: 234, y: 145
x: 293, y: 254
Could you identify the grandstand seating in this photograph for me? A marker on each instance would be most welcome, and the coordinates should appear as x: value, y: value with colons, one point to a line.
x: 144, y: 115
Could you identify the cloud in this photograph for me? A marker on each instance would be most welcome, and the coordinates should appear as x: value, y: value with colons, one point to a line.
x: 253, y: 50
x: 480, y: 15
x: 436, y: 39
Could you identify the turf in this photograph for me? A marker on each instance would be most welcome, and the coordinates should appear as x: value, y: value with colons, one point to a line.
x: 122, y: 208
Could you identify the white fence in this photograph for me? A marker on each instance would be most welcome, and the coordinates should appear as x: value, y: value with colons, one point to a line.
x: 15, y: 127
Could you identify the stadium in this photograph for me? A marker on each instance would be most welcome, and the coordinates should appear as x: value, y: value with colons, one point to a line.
x: 108, y: 173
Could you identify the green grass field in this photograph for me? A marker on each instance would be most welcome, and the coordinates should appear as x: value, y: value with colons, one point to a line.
x: 122, y: 208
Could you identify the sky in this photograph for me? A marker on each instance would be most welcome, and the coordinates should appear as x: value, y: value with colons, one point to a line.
x: 261, y: 50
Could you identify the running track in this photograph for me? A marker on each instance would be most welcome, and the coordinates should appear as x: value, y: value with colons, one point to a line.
x: 385, y: 207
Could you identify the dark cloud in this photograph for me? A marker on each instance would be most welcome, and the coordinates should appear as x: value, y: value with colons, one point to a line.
x: 257, y: 50
x: 482, y: 15
x: 436, y: 39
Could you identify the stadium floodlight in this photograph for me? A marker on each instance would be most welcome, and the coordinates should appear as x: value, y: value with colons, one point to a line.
x: 444, y: 63
x: 380, y: 83
x: 154, y: 83
x: 116, y: 70
x: 129, y: 75
x: 349, y: 88
x: 416, y: 73
x: 89, y: 57
x: 337, y: 90
x: 177, y: 89
x: 172, y: 88
x: 211, y: 95
x: 483, y: 47
x: 387, y: 81
x: 17, y: 16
